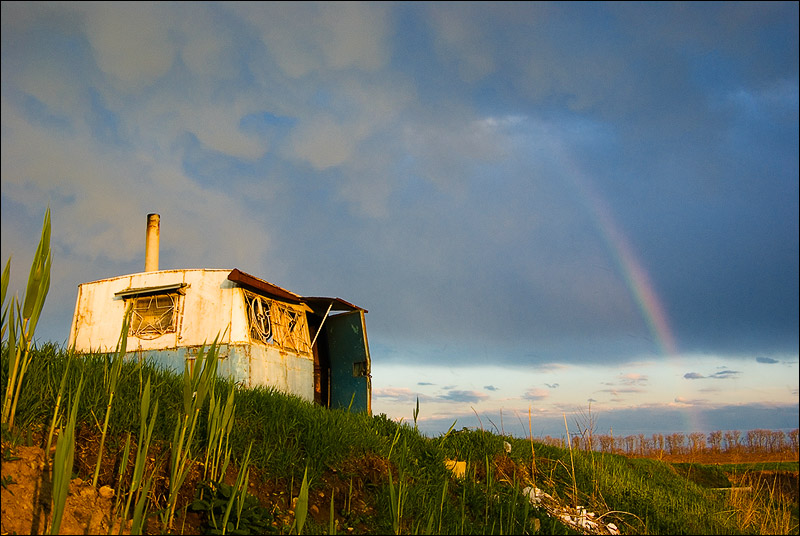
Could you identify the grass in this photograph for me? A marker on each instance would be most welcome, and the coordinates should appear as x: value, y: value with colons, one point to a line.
x: 381, y: 476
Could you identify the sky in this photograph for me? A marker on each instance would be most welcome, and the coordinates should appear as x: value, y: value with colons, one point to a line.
x: 580, y: 212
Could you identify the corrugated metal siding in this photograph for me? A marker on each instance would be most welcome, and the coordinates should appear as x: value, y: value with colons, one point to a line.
x: 212, y: 304
x: 250, y: 365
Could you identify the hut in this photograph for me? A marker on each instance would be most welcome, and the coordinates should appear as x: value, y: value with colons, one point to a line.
x: 312, y: 347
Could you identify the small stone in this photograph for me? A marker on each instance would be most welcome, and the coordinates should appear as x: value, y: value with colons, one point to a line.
x: 106, y: 492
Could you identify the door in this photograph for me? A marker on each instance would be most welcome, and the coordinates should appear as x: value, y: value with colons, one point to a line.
x: 350, y: 377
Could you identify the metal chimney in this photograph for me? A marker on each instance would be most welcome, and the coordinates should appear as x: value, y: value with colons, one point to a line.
x: 151, y: 243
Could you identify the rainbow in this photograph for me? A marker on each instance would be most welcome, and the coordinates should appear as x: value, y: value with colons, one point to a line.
x: 635, y: 275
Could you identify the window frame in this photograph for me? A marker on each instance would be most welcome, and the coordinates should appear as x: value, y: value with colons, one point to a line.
x: 277, y: 323
x: 153, y: 328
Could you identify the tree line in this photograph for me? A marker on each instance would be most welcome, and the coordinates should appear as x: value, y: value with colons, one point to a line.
x: 757, y: 441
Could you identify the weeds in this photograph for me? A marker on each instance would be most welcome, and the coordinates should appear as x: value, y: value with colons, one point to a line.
x: 197, y: 383
x: 21, y: 324
x: 112, y: 377
x: 140, y: 486
x: 62, y: 464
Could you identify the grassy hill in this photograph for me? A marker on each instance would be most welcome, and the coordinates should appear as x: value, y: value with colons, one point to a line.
x: 322, y: 471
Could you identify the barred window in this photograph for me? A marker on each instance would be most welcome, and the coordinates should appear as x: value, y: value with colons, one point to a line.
x: 277, y: 323
x: 154, y: 315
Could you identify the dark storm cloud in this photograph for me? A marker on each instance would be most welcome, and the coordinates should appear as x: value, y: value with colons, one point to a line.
x: 441, y: 165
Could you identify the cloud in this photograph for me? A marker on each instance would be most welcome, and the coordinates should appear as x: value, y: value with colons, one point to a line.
x: 303, y: 39
x: 721, y: 375
x: 460, y: 40
x: 616, y: 392
x: 633, y: 378
x: 651, y: 419
x: 491, y: 388
x: 536, y: 394
x: 324, y: 142
x: 399, y: 394
x: 688, y: 401
x: 464, y: 396
x: 725, y: 374
x: 767, y: 360
x: 131, y: 42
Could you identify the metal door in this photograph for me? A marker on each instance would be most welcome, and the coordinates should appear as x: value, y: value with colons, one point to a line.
x: 350, y: 377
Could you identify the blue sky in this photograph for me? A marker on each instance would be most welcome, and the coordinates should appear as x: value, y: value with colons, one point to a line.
x: 545, y: 207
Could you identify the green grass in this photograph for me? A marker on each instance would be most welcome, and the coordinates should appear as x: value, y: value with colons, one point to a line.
x: 356, y: 453
x: 707, y: 476
x: 760, y: 466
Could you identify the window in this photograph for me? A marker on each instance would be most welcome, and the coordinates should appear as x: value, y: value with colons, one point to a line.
x: 154, y: 315
x: 360, y: 369
x: 277, y: 323
x: 154, y: 310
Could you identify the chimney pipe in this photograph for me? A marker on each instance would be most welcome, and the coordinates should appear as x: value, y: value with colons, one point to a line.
x: 151, y: 243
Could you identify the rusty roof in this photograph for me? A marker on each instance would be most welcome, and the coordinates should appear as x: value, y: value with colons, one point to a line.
x: 247, y: 280
x: 317, y: 303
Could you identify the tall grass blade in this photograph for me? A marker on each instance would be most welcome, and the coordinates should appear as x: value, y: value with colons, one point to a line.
x: 3, y: 288
x: 145, y: 435
x: 25, y: 320
x: 141, y: 506
x: 116, y: 368
x: 196, y: 386
x: 57, y: 410
x: 62, y: 466
x: 118, y: 497
x: 301, y: 510
x: 332, y: 519
x: 239, y: 492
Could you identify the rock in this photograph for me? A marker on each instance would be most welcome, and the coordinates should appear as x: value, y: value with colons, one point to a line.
x: 106, y: 492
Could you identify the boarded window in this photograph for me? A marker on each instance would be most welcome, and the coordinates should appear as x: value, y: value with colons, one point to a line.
x: 154, y: 315
x: 277, y: 323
